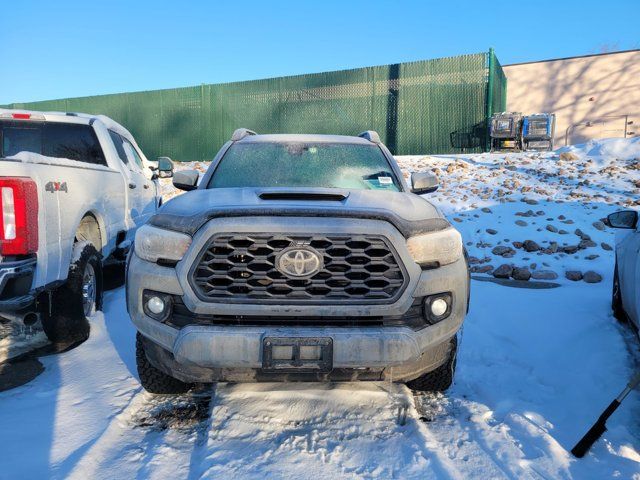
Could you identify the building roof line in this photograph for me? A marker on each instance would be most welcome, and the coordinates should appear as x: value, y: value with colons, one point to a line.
x: 571, y: 58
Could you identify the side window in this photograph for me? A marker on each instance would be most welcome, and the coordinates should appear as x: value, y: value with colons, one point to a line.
x: 133, y: 154
x: 72, y: 141
x: 118, y: 143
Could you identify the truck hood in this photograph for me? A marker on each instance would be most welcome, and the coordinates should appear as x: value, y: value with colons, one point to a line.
x: 409, y: 213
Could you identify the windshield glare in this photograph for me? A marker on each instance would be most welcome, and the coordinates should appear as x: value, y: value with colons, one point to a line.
x: 330, y: 165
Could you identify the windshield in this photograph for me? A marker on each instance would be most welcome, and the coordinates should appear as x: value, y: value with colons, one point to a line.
x: 330, y: 165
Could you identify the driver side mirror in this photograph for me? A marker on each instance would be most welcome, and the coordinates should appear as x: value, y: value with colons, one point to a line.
x: 186, y: 180
x: 165, y: 167
x: 423, y: 182
x: 624, y: 219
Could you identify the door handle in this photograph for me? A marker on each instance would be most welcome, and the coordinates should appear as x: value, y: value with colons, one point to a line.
x: 132, y: 185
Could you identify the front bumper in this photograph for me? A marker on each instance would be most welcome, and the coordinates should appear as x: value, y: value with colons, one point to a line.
x: 228, y: 352
x: 16, y: 279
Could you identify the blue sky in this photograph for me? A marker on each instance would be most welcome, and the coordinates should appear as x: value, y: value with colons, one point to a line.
x: 56, y: 49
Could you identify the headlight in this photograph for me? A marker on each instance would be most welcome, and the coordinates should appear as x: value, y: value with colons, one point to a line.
x: 155, y: 243
x: 437, y: 248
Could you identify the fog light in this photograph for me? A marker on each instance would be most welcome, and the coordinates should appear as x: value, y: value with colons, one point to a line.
x: 155, y: 305
x: 438, y: 307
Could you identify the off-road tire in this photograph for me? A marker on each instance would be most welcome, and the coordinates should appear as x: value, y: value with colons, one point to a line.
x: 67, y: 322
x: 152, y: 379
x: 441, y: 378
x: 616, y: 298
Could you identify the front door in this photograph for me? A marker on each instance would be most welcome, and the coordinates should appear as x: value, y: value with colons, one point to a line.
x: 627, y: 253
x: 634, y: 282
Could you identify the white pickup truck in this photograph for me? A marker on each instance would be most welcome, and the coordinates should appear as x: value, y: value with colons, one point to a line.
x: 73, y: 190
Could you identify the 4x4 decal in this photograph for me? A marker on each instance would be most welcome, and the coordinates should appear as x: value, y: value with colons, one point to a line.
x: 56, y: 187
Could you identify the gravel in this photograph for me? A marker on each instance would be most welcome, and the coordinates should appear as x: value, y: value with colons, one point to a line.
x: 503, y: 271
x: 544, y: 275
x: 503, y: 250
x: 520, y: 273
x: 530, y: 246
x: 573, y: 275
x: 592, y: 277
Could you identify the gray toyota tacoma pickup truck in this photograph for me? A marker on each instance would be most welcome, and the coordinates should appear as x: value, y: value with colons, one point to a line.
x: 298, y: 258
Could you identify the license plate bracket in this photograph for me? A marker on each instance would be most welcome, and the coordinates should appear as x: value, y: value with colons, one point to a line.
x: 297, y: 354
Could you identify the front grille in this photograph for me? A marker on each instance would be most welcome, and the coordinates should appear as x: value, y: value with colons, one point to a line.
x: 240, y: 268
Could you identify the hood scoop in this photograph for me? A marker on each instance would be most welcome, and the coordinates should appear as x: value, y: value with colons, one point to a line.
x: 318, y: 195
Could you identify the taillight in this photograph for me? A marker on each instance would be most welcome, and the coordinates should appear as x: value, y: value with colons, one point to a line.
x: 19, y: 219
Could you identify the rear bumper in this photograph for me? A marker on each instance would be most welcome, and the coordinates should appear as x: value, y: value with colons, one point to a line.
x: 16, y: 279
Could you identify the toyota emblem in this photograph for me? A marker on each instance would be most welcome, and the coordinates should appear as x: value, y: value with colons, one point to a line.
x: 299, y: 262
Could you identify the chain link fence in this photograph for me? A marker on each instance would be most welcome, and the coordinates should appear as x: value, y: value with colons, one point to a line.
x: 431, y: 106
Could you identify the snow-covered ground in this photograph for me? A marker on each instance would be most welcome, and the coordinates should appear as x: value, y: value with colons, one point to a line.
x: 536, y: 366
x: 538, y: 211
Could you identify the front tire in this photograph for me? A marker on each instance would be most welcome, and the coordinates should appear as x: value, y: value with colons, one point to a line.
x: 76, y: 300
x: 616, y: 298
x: 152, y: 379
x: 441, y: 378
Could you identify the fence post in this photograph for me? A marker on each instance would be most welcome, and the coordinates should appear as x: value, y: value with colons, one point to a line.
x: 204, y: 123
x: 372, y: 115
x: 393, y: 100
x: 490, y: 81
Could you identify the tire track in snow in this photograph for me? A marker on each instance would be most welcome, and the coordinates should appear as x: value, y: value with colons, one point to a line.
x: 153, y: 436
x: 330, y: 430
x: 323, y: 430
x: 451, y: 428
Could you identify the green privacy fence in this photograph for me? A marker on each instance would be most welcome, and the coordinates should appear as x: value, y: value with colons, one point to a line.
x: 431, y: 106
